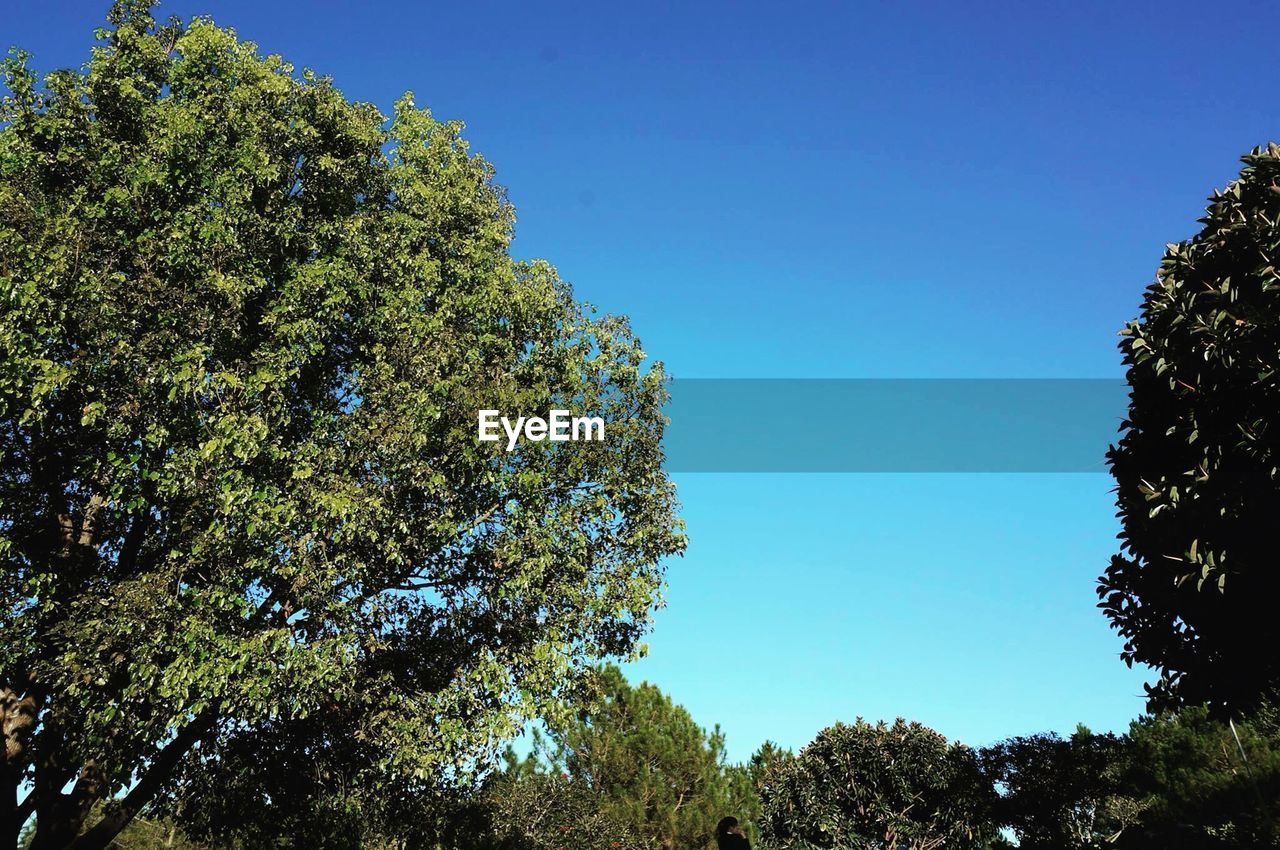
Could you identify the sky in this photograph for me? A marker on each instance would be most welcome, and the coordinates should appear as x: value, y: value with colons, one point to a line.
x: 837, y: 190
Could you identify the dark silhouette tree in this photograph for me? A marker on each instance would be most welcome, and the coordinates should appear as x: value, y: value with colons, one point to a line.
x: 1193, y: 590
x: 1061, y: 793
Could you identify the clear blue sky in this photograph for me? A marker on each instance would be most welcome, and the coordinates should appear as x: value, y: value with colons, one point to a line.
x: 853, y: 190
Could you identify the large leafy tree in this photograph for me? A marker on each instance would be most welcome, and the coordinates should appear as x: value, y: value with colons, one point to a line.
x: 875, y: 786
x: 1193, y: 589
x: 245, y: 327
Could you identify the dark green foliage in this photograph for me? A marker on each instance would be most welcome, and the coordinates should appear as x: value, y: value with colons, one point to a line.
x: 142, y: 833
x: 763, y: 770
x: 1061, y: 794
x: 766, y: 762
x: 245, y: 327
x: 653, y: 768
x: 1176, y: 780
x: 879, y: 786
x: 1195, y: 789
x: 630, y: 770
x: 308, y: 782
x: 155, y: 834
x: 1193, y: 590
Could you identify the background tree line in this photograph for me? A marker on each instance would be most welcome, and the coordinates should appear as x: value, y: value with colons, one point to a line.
x: 636, y: 771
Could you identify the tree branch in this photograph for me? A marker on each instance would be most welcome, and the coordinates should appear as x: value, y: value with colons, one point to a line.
x: 118, y: 816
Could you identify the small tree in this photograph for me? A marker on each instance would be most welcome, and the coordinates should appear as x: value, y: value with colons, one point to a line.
x: 879, y: 787
x: 651, y: 765
x: 1197, y: 469
x: 245, y: 329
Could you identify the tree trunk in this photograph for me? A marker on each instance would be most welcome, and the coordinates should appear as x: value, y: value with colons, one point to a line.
x: 59, y: 816
x: 18, y: 709
x: 10, y: 827
x: 57, y: 824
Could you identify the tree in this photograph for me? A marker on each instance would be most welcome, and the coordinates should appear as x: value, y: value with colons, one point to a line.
x: 1175, y: 780
x: 652, y: 767
x: 1192, y: 590
x: 879, y: 786
x: 1195, y: 788
x: 245, y: 329
x: 763, y: 769
x: 1061, y: 794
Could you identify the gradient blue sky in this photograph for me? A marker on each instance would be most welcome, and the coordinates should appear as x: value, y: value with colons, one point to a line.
x: 851, y: 190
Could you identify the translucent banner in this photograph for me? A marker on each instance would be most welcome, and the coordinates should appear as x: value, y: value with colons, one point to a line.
x: 893, y: 425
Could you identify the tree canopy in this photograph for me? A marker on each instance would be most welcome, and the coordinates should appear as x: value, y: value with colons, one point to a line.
x: 1201, y: 783
x: 1182, y: 779
x: 653, y: 768
x: 1193, y: 588
x: 878, y: 785
x: 1061, y: 793
x: 245, y: 327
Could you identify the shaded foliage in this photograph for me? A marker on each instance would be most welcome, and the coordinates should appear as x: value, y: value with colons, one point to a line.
x: 1192, y: 590
x: 550, y: 811
x: 1194, y: 786
x: 1175, y: 780
x: 1061, y: 794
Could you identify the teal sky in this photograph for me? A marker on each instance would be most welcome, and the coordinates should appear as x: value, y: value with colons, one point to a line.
x: 843, y: 190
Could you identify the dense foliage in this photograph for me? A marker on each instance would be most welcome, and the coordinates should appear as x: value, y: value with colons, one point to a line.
x: 1195, y: 786
x: 653, y: 768
x: 1193, y: 590
x: 1175, y: 780
x: 1060, y: 794
x: 245, y: 327
x: 879, y: 785
x: 766, y: 766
